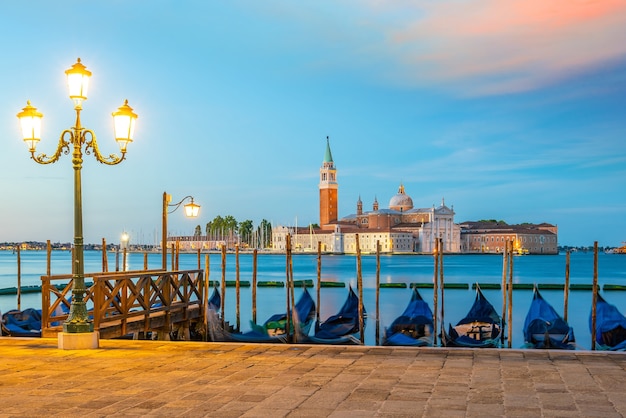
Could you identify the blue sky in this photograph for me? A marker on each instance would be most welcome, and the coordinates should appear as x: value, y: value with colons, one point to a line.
x: 508, y: 110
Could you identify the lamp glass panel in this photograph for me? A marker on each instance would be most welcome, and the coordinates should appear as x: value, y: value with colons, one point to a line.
x: 123, y: 144
x: 124, y: 127
x: 78, y: 84
x: 31, y: 128
x: 192, y: 210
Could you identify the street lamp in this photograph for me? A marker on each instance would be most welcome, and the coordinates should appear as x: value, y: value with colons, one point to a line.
x: 124, y: 239
x: 191, y: 211
x: 124, y: 120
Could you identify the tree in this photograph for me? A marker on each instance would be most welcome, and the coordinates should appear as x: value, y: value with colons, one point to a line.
x: 230, y: 226
x: 245, y: 231
x: 198, y: 231
x: 493, y: 221
x: 264, y: 234
x: 217, y: 227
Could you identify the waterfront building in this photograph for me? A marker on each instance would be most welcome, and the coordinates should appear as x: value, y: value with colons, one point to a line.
x: 328, y: 190
x: 400, y: 228
x: 188, y: 243
x: 490, y: 237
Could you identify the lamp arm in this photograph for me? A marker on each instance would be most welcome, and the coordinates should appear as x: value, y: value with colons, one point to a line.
x: 92, y: 143
x: 177, y: 205
x: 62, y: 148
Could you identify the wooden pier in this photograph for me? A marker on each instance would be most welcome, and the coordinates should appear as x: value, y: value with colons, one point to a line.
x: 124, y: 303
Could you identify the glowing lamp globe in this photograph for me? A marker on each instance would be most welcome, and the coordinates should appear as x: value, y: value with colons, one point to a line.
x: 78, y: 82
x: 192, y: 210
x: 30, y: 122
x: 124, y: 119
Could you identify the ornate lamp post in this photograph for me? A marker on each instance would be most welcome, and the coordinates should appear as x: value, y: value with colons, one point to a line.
x: 124, y: 120
x: 191, y: 211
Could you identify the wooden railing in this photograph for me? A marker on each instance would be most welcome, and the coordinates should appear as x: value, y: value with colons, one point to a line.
x: 122, y: 303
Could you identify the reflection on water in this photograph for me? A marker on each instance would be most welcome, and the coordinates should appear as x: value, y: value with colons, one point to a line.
x: 406, y: 269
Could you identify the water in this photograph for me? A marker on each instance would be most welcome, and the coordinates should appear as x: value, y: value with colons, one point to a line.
x: 407, y: 269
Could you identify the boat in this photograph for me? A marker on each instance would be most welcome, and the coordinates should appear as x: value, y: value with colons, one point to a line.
x: 273, y: 330
x: 215, y: 301
x: 414, y: 327
x: 545, y: 328
x: 481, y: 327
x: 26, y: 323
x: 610, y: 326
x: 341, y: 328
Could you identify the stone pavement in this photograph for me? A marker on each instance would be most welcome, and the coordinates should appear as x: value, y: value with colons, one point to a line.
x: 190, y: 379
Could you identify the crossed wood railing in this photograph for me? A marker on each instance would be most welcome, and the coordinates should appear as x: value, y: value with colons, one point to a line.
x: 122, y: 303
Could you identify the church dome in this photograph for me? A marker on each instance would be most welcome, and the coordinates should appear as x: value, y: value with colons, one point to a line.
x: 401, y: 201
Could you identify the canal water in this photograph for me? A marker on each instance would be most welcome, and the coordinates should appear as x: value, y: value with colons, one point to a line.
x: 408, y: 269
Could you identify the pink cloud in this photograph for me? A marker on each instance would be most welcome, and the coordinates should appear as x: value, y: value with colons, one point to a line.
x: 506, y: 45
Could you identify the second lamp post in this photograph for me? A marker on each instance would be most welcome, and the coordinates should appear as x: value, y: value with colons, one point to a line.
x: 191, y: 211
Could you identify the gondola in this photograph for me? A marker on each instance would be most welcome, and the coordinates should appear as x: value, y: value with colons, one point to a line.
x: 610, y: 326
x: 414, y: 327
x: 481, y: 327
x: 26, y: 323
x: 215, y: 301
x: 545, y: 328
x: 273, y: 330
x: 341, y: 328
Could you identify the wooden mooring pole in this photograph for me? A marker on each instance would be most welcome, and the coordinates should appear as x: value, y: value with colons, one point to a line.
x: 287, y: 271
x: 105, y: 261
x: 205, y: 295
x: 436, y: 291
x: 594, y: 297
x: 291, y: 337
x: 223, y: 284
x: 359, y: 284
x: 48, y: 257
x: 319, y: 280
x: 19, y: 278
x: 254, y: 267
x: 173, y: 257
x: 177, y: 253
x: 510, y: 304
x: 441, y: 286
x: 505, y: 255
x: 566, y: 288
x: 237, y: 288
x: 377, y: 292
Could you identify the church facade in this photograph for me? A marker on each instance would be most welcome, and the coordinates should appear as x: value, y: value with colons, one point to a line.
x: 400, y: 228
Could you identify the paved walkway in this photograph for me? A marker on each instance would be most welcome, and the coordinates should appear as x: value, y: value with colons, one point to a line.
x: 178, y: 379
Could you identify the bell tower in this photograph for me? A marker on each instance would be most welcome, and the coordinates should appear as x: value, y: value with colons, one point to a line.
x: 328, y: 189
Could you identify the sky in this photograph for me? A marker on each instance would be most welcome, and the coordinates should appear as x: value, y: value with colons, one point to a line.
x: 508, y: 110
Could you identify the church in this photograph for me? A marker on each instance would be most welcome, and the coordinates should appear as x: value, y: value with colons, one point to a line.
x: 400, y: 228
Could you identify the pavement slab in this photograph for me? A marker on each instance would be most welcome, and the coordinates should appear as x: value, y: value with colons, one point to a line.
x: 126, y: 378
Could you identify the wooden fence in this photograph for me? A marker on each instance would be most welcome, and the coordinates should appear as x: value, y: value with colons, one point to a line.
x: 122, y: 303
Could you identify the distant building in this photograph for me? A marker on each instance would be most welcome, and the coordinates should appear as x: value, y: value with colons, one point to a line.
x: 400, y: 228
x: 490, y: 237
